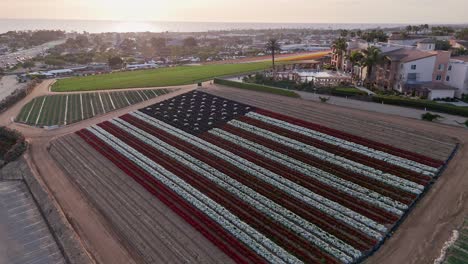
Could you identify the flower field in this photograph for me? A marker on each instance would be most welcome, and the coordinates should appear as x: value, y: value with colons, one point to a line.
x: 71, y: 108
x: 265, y: 187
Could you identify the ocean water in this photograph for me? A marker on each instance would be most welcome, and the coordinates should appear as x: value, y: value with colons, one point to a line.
x: 100, y: 26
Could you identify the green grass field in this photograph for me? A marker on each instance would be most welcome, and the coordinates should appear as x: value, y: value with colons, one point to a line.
x: 458, y: 253
x: 155, y: 78
x: 67, y: 109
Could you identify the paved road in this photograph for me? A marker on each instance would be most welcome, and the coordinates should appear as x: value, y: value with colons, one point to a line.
x: 379, y: 108
x: 32, y: 52
x: 24, y: 236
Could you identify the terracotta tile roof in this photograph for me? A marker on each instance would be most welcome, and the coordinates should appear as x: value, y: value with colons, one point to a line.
x: 407, y: 55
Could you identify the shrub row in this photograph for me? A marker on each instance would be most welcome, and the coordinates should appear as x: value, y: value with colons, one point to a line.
x: 338, y: 92
x: 422, y: 104
x: 256, y: 87
x: 19, y: 146
x: 17, y: 95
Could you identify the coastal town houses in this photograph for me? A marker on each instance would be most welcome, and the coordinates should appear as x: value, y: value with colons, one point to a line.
x: 416, y: 70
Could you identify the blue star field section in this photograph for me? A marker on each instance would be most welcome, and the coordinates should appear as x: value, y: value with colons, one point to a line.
x: 197, y: 112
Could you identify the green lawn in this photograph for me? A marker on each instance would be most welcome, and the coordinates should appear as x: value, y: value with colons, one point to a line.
x: 155, y: 78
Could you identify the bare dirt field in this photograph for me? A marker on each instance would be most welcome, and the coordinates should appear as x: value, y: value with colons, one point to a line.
x: 132, y: 234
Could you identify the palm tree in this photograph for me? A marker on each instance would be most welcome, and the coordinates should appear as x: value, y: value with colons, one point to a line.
x: 409, y: 29
x: 340, y: 47
x: 273, y: 46
x: 355, y: 58
x: 371, y: 57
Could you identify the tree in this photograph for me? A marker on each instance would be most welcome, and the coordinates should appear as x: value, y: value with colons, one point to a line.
x: 462, y: 34
x: 128, y: 45
x: 359, y: 33
x: 460, y: 52
x: 82, y: 41
x: 273, y: 46
x: 28, y: 64
x: 190, y: 42
x: 115, y: 62
x: 409, y: 28
x: 324, y: 99
x: 442, y: 45
x: 340, y: 47
x: 430, y: 117
x: 416, y: 29
x: 372, y: 56
x: 344, y: 33
x: 158, y: 43
x: 355, y: 58
x: 373, y: 35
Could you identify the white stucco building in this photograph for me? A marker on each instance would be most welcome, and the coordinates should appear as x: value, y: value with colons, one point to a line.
x: 457, y: 75
x: 413, y: 70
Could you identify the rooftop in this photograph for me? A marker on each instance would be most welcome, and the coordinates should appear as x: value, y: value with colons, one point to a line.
x: 461, y: 58
x: 428, y: 41
x: 407, y: 55
x: 462, y: 42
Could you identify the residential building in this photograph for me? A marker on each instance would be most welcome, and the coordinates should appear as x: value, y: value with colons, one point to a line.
x: 441, y: 66
x: 457, y: 75
x: 459, y: 44
x: 426, y: 45
x: 405, y: 66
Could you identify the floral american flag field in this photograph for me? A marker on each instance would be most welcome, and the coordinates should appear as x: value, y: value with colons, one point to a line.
x: 262, y: 186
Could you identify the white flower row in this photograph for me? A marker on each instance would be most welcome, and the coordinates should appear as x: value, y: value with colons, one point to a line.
x: 281, y: 215
x: 390, y: 158
x: 255, y: 240
x: 367, y: 171
x: 324, y: 177
x: 332, y: 208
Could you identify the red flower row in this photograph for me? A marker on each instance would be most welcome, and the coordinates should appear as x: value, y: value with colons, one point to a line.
x: 239, y: 252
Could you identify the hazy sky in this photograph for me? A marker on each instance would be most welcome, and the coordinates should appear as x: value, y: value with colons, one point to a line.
x: 302, y: 11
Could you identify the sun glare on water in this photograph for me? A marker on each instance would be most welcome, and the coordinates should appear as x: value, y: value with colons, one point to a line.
x: 134, y: 26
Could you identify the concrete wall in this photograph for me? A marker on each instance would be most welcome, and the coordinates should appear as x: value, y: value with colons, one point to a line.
x: 441, y: 94
x: 64, y: 234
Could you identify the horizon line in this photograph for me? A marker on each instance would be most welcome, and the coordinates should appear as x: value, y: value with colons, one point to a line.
x: 236, y: 22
